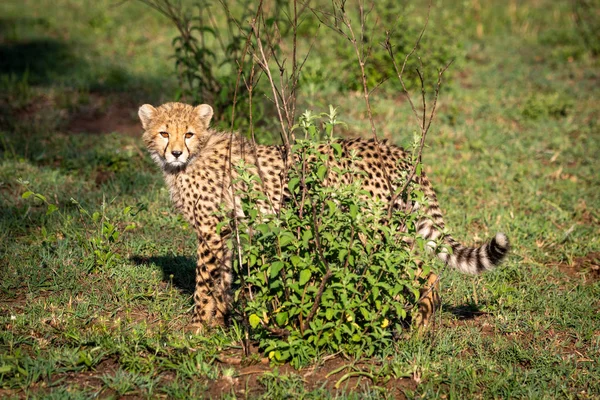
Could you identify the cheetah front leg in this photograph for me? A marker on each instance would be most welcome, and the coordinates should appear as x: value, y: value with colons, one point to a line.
x: 213, y: 282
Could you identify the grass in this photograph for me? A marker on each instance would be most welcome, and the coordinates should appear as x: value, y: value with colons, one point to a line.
x: 514, y: 148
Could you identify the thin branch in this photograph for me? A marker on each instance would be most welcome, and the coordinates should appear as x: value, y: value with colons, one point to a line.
x: 264, y: 64
x: 400, y: 72
x: 424, y: 132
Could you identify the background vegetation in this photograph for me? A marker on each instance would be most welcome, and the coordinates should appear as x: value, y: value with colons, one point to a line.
x: 94, y: 293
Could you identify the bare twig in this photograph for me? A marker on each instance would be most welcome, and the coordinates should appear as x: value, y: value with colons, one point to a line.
x: 361, y: 58
x: 263, y: 62
x: 422, y: 119
x: 230, y: 170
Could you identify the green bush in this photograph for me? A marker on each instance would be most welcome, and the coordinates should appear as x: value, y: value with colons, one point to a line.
x: 331, y: 272
x: 211, y: 48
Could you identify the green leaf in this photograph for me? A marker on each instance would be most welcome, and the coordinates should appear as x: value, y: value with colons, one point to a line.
x: 332, y: 207
x: 254, y: 321
x: 351, y: 260
x: 84, y: 358
x: 286, y: 238
x: 281, y: 318
x: 338, y: 149
x: 338, y: 335
x: 5, y: 369
x: 27, y: 194
x: 296, y: 260
x: 418, y: 169
x: 342, y: 255
x: 365, y: 313
x: 306, y: 236
x: 275, y: 268
x: 41, y: 197
x: 329, y: 314
x: 263, y: 228
x: 375, y: 291
x: 292, y: 184
x: 353, y: 210
x: 304, y: 276
x: 51, y: 209
x: 321, y: 172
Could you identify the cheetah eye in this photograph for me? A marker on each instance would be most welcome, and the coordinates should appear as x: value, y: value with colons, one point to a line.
x: 164, y: 134
x: 189, y: 135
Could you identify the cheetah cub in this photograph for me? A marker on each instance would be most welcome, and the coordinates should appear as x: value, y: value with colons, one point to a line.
x: 196, y: 161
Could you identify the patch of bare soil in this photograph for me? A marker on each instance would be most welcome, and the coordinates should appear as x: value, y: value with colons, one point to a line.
x: 587, y: 267
x: 105, y: 115
x: 12, y: 394
x: 88, y: 379
x: 336, y: 375
x: 91, y: 380
x: 467, y: 316
x: 18, y: 300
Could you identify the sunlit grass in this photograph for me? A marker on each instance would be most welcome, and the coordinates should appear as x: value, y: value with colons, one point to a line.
x: 513, y: 148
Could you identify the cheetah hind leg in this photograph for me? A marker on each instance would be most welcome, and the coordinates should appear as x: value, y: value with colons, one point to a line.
x: 429, y: 302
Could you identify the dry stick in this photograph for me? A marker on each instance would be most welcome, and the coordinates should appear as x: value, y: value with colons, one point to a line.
x: 426, y: 126
x: 213, y: 22
x: 235, y: 218
x: 250, y: 90
x: 295, y: 76
x: 362, y: 59
x: 290, y: 83
x: 422, y: 121
x: 295, y: 71
x: 264, y: 64
x: 361, y: 63
x: 230, y: 19
x: 400, y: 72
x: 281, y: 91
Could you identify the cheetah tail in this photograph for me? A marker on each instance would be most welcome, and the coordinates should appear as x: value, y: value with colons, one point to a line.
x: 475, y: 260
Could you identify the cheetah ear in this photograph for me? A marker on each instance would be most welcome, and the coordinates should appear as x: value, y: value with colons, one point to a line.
x: 146, y: 114
x: 205, y: 112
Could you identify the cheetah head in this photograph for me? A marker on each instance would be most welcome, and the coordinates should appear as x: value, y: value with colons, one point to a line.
x: 175, y: 132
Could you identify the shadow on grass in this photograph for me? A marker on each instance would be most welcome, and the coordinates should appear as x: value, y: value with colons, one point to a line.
x: 465, y: 312
x: 179, y: 270
x: 50, y: 61
x: 41, y: 59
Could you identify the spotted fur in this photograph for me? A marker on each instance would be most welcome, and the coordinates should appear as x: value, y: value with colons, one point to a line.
x: 196, y: 161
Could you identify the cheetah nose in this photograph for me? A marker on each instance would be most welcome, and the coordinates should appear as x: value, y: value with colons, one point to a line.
x: 176, y: 153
